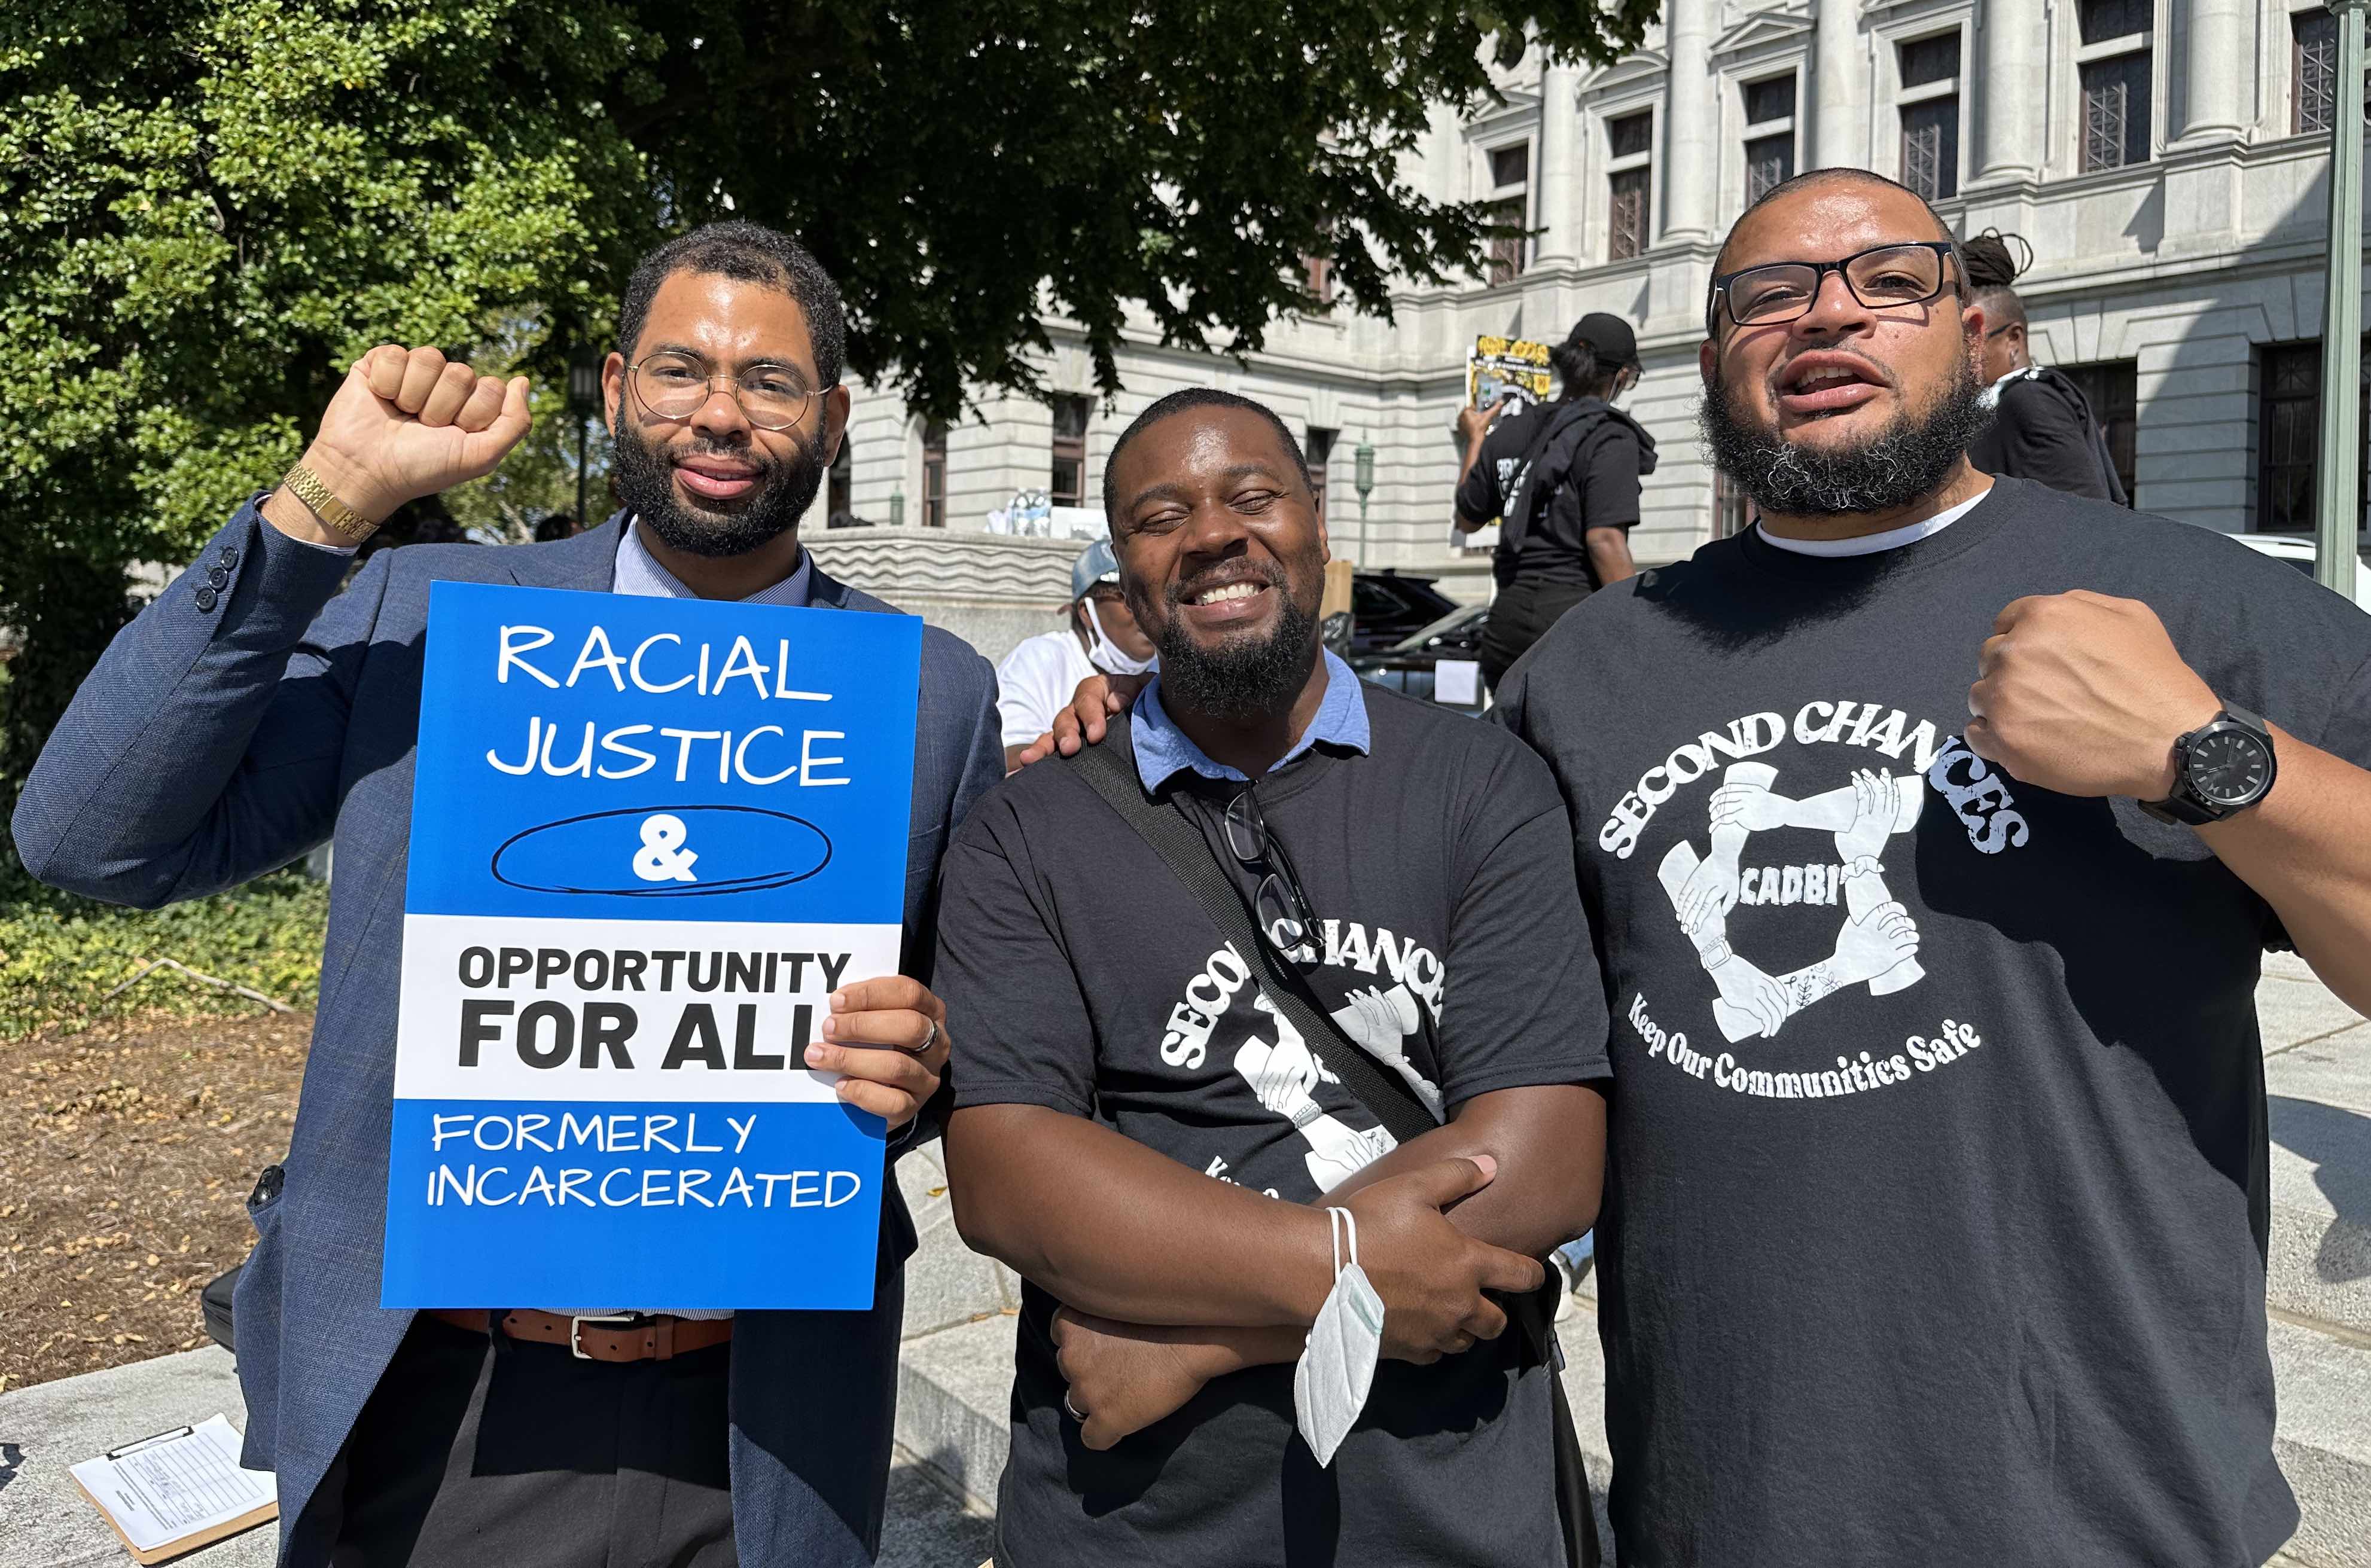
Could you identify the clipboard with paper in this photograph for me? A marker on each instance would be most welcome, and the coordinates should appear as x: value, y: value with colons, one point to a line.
x: 177, y: 1490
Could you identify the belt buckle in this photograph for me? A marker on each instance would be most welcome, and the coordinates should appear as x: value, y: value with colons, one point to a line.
x: 576, y: 1321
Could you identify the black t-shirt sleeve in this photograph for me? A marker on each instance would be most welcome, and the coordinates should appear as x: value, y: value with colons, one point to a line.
x: 1524, y: 1004
x: 1607, y: 490
x: 1018, y: 1027
x: 1478, y: 498
x: 2045, y: 439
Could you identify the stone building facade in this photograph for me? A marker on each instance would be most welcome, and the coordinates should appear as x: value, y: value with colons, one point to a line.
x: 2168, y: 160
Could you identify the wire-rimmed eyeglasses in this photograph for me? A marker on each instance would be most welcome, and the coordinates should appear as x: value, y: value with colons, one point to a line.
x: 1884, y: 276
x: 673, y: 386
x: 1280, y: 904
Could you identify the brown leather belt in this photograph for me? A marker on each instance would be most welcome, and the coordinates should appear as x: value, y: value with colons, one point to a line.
x: 629, y: 1337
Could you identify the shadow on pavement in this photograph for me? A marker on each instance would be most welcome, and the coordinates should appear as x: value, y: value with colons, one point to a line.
x: 2338, y: 1143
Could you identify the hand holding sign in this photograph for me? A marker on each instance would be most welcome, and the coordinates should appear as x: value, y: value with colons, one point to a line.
x: 897, y: 1013
x: 408, y: 423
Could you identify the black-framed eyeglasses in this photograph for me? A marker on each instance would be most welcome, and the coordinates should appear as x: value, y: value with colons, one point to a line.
x: 1281, y: 905
x: 673, y: 386
x: 1882, y: 277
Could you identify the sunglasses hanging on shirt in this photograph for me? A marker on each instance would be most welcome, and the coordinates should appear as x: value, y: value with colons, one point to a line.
x: 1280, y: 904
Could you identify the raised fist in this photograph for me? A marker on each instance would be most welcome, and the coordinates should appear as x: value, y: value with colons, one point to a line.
x: 409, y: 422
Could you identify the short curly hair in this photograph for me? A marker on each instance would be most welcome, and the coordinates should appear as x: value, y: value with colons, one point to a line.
x: 749, y: 253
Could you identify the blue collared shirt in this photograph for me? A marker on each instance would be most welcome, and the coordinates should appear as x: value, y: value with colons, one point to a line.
x: 1163, y: 749
x: 640, y: 574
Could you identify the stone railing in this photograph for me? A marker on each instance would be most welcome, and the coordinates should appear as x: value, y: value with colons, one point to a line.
x: 988, y: 590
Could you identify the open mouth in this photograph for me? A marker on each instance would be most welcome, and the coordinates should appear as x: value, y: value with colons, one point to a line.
x: 1226, y: 603
x: 715, y: 479
x: 1818, y: 384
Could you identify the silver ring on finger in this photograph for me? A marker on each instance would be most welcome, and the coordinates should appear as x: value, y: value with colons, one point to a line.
x: 1073, y: 1411
x: 928, y: 1039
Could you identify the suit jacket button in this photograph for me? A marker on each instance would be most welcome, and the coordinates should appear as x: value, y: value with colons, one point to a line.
x: 229, y: 557
x: 218, y: 577
x: 206, y: 597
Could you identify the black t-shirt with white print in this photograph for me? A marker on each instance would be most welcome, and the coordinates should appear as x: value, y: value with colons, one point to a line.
x: 1080, y: 975
x: 1938, y: 1189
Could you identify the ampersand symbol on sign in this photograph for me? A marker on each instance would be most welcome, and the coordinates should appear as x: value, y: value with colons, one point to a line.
x: 660, y: 859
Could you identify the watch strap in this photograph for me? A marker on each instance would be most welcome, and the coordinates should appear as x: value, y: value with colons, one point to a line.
x: 323, y: 502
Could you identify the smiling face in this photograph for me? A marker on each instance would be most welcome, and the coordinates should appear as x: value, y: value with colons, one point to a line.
x: 1222, y: 556
x: 1842, y: 372
x: 708, y: 481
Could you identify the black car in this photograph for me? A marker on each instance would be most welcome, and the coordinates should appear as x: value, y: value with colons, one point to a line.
x: 1386, y: 609
x: 1410, y: 664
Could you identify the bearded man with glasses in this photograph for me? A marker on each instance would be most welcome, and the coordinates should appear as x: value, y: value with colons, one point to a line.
x: 559, y: 1434
x: 1931, y: 839
x: 1144, y: 1131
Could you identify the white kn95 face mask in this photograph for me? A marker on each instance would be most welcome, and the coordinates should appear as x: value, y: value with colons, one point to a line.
x: 1337, y: 1366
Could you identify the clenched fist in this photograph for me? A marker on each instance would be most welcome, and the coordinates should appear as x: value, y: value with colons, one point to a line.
x: 2085, y: 695
x: 407, y: 422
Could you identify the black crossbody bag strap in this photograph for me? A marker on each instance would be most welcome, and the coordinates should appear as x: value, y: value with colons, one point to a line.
x: 1188, y: 855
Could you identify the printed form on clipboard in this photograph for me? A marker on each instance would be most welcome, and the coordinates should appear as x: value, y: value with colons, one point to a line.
x: 178, y: 1490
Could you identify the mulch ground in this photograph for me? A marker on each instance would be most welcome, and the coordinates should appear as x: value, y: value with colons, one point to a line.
x: 127, y: 1151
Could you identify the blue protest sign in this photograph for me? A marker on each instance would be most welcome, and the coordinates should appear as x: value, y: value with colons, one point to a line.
x: 649, y: 837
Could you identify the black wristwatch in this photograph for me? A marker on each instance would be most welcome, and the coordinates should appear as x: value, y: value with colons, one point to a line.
x: 2223, y: 766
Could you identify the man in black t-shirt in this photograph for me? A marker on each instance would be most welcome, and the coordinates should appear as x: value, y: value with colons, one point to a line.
x: 1145, y: 1135
x: 1936, y: 1221
x: 1563, y: 479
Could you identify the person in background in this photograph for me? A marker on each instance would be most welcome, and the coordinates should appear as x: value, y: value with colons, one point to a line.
x: 1037, y: 678
x: 2042, y: 427
x: 1564, y: 477
x: 556, y: 526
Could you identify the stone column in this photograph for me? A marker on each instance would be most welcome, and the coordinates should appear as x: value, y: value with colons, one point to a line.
x: 1691, y: 122
x: 2014, y: 82
x: 1559, y: 171
x: 1840, y: 126
x: 2216, y: 67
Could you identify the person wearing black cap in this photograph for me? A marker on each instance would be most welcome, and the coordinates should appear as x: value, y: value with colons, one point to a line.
x: 2042, y: 427
x: 1564, y: 477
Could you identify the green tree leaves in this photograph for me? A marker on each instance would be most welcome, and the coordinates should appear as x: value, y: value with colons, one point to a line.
x: 209, y: 208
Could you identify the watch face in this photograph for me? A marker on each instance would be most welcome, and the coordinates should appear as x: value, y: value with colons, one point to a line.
x: 2228, y: 767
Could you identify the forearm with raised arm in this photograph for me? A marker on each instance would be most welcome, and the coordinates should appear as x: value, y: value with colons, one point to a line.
x: 203, y: 747
x: 1114, y: 1228
x: 2307, y: 850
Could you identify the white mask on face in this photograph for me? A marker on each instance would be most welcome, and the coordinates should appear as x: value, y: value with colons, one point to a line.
x: 1102, y: 652
x: 1337, y: 1367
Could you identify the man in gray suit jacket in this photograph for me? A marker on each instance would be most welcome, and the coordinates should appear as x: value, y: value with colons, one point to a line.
x: 254, y: 712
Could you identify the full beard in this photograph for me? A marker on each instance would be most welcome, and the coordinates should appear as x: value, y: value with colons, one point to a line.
x: 784, y: 491
x: 1251, y: 676
x: 1900, y: 464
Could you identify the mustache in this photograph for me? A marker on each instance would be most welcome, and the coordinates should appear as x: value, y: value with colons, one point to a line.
x: 748, y: 457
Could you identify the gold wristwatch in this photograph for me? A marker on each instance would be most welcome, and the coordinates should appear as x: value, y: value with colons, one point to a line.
x: 306, y: 486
